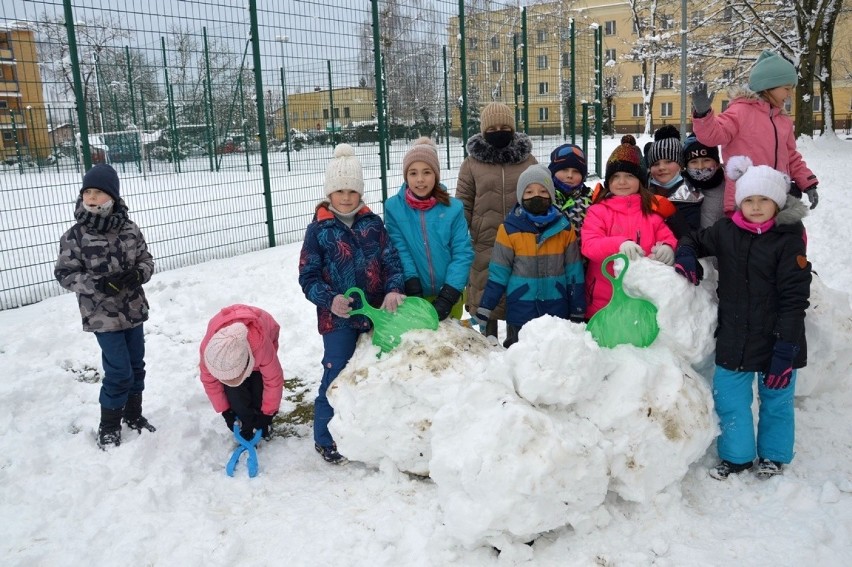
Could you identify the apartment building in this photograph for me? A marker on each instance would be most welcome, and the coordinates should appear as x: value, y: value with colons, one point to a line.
x: 312, y: 111
x: 23, y: 120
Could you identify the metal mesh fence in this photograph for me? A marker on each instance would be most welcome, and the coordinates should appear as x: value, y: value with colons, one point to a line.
x: 220, y: 117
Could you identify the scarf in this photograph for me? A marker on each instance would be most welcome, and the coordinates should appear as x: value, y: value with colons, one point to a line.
x: 541, y: 221
x: 756, y: 228
x: 346, y: 218
x: 419, y: 203
x: 101, y: 223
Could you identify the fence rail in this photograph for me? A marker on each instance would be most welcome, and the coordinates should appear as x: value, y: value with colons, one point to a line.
x: 221, y: 117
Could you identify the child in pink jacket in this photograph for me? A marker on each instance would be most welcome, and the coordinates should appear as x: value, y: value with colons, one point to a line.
x: 755, y: 125
x: 240, y: 370
x: 622, y: 219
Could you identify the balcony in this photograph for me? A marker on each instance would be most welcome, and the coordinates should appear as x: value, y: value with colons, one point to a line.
x: 6, y: 54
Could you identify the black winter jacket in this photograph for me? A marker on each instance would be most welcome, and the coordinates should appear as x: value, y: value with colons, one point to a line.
x: 764, y: 287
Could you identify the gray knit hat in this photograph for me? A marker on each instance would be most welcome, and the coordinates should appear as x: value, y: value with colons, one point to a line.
x: 536, y: 173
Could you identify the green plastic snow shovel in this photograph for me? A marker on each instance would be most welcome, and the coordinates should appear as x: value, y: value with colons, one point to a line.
x: 625, y: 320
x: 388, y: 328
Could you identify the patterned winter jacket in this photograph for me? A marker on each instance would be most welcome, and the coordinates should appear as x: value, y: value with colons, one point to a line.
x: 538, y: 269
x: 88, y: 253
x: 610, y: 223
x: 433, y: 245
x: 263, y: 341
x: 574, y: 204
x: 764, y: 287
x: 487, y: 186
x: 684, y: 197
x: 335, y: 257
x: 751, y: 127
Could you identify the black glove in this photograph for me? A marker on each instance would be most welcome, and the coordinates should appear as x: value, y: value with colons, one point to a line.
x: 132, y: 278
x: 686, y: 264
x: 230, y: 417
x: 781, y: 367
x: 413, y: 287
x: 701, y: 103
x: 110, y: 285
x: 813, y: 197
x: 264, y: 423
x: 447, y: 297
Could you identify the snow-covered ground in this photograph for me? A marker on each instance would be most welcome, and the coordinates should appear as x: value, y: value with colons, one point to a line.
x: 600, y: 456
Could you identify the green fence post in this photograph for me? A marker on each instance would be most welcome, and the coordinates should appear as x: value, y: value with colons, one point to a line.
x: 243, y: 119
x: 463, y: 66
x: 585, y: 120
x: 446, y: 106
x: 170, y: 110
x: 261, y: 121
x: 380, y: 103
x: 572, y: 98
x: 31, y: 139
x: 80, y: 101
x: 331, y: 103
x: 526, y: 63
x: 598, y: 97
x: 54, y: 150
x: 18, y: 153
x: 138, y: 155
x: 209, y: 117
x: 286, y: 118
x: 516, y: 84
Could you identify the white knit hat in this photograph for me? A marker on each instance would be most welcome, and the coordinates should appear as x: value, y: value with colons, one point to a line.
x: 757, y: 180
x: 344, y: 171
x: 228, y: 355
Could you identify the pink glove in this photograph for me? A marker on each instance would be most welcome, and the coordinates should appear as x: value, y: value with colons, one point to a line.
x: 392, y: 301
x: 341, y: 306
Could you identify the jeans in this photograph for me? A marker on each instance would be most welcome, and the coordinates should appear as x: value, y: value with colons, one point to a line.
x: 732, y: 394
x: 339, y: 347
x: 123, y: 359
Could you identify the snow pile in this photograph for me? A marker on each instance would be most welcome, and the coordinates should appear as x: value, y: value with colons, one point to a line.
x: 529, y: 439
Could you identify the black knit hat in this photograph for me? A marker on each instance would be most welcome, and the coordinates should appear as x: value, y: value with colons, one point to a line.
x: 692, y: 149
x: 666, y: 146
x: 103, y: 177
x: 626, y: 157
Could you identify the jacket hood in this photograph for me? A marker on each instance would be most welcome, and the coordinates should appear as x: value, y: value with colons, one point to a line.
x: 793, y: 212
x: 516, y: 152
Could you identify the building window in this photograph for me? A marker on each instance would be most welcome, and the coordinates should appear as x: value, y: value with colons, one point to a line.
x: 541, y: 36
x: 637, y: 110
x: 666, y: 81
x: 609, y: 27
x: 637, y: 82
x: 697, y: 17
x: 666, y: 109
x: 474, y: 67
x: 666, y: 22
x: 497, y: 93
x: 542, y: 88
x: 472, y: 43
x: 495, y: 42
x: 727, y: 13
x: 541, y: 61
x: 725, y: 105
x: 609, y: 55
x: 495, y: 65
x: 4, y: 104
x: 346, y: 113
x: 542, y: 114
x: 728, y: 74
x: 325, y: 114
x: 566, y: 60
x: 611, y: 83
x: 612, y: 112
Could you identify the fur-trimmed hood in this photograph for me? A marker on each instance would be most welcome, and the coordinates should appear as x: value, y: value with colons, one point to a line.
x: 793, y: 212
x: 516, y: 152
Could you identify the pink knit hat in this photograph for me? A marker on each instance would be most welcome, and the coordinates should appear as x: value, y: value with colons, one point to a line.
x: 423, y: 149
x: 228, y: 355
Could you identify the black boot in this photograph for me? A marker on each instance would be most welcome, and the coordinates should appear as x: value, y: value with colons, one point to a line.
x: 133, y: 414
x: 109, y: 431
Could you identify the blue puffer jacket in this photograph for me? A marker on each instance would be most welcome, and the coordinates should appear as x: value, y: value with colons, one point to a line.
x: 434, y: 245
x: 335, y: 257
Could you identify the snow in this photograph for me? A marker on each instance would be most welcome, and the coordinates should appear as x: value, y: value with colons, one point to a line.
x: 598, y: 455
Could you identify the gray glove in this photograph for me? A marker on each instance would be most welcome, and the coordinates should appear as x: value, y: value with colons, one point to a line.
x: 631, y: 250
x: 701, y: 103
x: 813, y: 197
x: 662, y: 252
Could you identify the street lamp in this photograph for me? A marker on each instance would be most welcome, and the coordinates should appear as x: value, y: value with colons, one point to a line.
x: 282, y: 39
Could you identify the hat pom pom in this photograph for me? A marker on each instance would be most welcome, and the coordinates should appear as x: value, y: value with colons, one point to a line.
x: 344, y: 150
x: 628, y: 139
x: 737, y: 166
x: 667, y: 131
x: 423, y: 141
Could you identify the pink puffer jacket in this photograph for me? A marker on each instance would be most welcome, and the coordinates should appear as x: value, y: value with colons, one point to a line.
x: 263, y: 340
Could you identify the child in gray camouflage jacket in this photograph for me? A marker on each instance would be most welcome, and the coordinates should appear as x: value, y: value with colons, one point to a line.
x: 104, y: 259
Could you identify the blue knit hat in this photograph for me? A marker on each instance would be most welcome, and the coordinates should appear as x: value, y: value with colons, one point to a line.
x: 103, y: 177
x: 770, y: 71
x: 568, y: 155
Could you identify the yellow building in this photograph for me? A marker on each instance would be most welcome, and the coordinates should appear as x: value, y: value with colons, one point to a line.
x: 494, y: 74
x: 311, y: 111
x: 23, y: 121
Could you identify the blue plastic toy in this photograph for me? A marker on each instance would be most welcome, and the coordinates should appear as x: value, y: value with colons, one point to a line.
x: 244, y: 446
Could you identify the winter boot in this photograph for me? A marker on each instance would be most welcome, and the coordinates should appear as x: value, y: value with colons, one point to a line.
x: 726, y: 468
x: 109, y: 431
x: 133, y: 414
x: 330, y: 454
x: 767, y: 469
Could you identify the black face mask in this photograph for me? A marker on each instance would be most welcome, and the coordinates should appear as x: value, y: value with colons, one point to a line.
x: 499, y: 138
x: 537, y: 205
